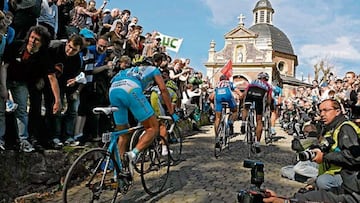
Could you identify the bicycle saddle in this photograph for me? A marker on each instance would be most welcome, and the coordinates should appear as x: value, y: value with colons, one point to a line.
x: 105, y: 110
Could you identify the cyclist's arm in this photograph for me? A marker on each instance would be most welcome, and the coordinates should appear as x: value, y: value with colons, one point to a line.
x: 164, y: 93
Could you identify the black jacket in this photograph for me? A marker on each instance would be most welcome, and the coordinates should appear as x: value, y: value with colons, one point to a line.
x: 348, y: 157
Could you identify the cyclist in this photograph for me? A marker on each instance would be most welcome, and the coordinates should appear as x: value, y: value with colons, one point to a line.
x: 275, y: 104
x: 259, y: 91
x: 126, y: 93
x: 223, y: 93
x: 157, y: 103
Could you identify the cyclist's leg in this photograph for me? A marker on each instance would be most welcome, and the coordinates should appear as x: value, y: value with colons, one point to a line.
x: 259, y: 127
x: 273, y: 116
x: 217, y: 122
x: 118, y: 97
x: 234, y: 110
x: 123, y: 142
x: 144, y: 113
x: 259, y: 108
x: 218, y: 108
x: 151, y: 126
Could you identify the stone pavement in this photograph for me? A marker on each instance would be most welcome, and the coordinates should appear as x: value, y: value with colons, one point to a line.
x: 200, y: 177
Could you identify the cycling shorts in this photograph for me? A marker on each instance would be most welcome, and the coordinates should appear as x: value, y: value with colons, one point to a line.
x: 258, y: 96
x: 128, y: 95
x: 224, y: 95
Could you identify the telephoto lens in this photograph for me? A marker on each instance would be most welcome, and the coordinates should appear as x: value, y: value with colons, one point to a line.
x: 306, y: 155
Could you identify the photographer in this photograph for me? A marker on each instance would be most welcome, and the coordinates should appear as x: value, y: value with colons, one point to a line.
x: 342, y: 158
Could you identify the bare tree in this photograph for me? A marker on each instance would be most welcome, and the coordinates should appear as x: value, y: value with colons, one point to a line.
x: 323, y: 66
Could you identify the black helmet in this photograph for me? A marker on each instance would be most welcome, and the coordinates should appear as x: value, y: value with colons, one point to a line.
x: 263, y: 75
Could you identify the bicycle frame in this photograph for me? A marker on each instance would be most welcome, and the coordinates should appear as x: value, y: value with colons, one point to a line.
x: 112, y: 138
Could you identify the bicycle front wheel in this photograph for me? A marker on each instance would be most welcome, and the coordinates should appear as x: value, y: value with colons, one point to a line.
x: 155, y: 166
x: 91, y: 178
x: 175, y: 144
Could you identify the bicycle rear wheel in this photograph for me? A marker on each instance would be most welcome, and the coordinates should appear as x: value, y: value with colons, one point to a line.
x: 91, y: 178
x: 155, y: 167
x: 175, y: 144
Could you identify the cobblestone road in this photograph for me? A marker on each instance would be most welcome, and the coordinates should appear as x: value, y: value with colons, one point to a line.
x: 200, y: 177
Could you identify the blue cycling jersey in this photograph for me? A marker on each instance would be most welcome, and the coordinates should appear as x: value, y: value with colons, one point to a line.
x: 143, y: 75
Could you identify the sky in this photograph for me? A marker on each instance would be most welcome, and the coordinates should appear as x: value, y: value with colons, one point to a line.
x: 317, y: 29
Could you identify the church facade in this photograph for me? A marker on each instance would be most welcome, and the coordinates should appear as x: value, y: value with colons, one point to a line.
x: 260, y: 48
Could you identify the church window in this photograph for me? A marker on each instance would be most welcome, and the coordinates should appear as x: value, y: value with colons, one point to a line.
x: 280, y: 66
x: 268, y: 17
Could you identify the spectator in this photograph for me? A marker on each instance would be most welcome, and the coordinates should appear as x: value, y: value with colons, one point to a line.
x: 315, y: 93
x: 124, y: 19
x: 115, y: 35
x: 25, y: 14
x: 82, y: 17
x: 342, y: 158
x: 95, y: 69
x: 133, y: 45
x: 92, y: 21
x: 3, y: 91
x: 108, y: 20
x: 178, y: 70
x: 25, y: 66
x: 187, y: 97
x: 151, y: 48
x: 67, y: 62
x: 64, y: 19
x: 49, y: 16
x: 132, y: 24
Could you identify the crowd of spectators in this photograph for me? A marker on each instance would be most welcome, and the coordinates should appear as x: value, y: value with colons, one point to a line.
x: 53, y: 107
x: 344, y: 89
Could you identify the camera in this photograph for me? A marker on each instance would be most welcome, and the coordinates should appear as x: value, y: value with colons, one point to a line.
x: 254, y: 194
x: 308, y: 154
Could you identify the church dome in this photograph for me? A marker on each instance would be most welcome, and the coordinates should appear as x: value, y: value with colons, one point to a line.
x: 263, y: 4
x: 280, y: 42
x: 266, y: 31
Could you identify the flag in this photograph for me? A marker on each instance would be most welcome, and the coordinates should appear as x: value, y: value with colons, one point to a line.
x: 227, y: 69
x: 171, y: 43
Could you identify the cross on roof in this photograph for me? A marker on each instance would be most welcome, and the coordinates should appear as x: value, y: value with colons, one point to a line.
x: 241, y: 19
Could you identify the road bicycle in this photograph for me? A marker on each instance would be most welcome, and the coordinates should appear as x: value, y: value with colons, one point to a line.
x: 222, y: 141
x: 100, y: 175
x: 250, y: 135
